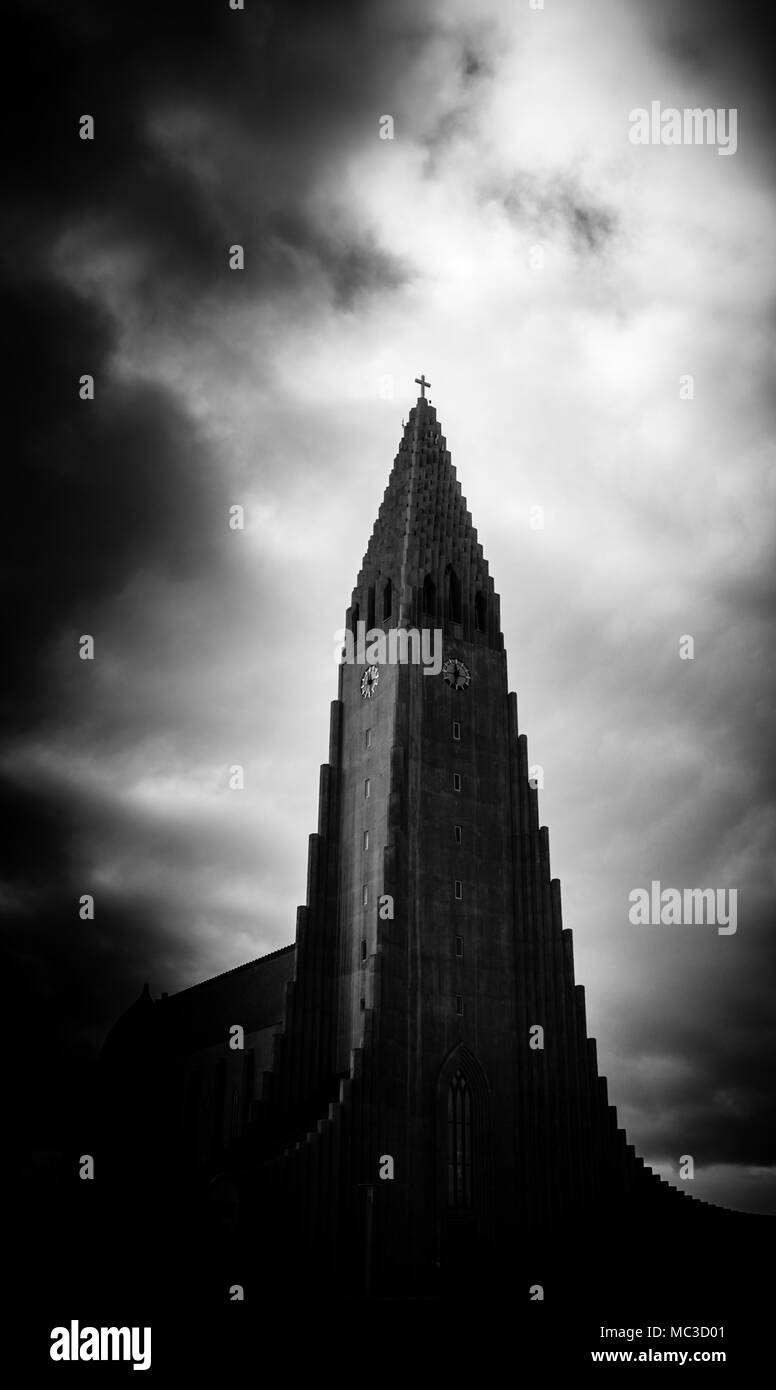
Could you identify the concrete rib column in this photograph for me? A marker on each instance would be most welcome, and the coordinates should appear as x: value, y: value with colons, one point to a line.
x: 523, y: 1116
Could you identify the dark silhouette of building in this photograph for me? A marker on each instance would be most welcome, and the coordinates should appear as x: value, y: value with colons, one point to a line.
x: 406, y: 1099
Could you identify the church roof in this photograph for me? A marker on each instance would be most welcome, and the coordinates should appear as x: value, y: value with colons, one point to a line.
x: 252, y: 995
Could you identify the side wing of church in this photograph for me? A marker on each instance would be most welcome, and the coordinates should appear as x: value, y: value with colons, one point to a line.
x: 414, y: 1097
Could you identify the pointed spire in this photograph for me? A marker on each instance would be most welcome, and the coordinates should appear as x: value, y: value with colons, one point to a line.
x: 424, y: 549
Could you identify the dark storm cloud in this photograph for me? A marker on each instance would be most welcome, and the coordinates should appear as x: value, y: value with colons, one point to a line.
x: 97, y: 487
x: 96, y: 490
x: 104, y: 494
x: 353, y: 266
x: 278, y: 93
x: 713, y: 1061
x: 732, y: 42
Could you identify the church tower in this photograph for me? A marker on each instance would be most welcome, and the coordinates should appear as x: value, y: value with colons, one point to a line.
x: 416, y: 1107
x: 434, y: 1096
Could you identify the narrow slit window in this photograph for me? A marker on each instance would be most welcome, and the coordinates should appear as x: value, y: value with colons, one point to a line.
x: 459, y: 1005
x: 458, y: 889
x: 459, y: 947
x: 365, y: 895
x: 458, y: 834
x: 368, y: 738
x: 429, y: 595
x: 234, y: 1127
x: 366, y: 839
x: 454, y: 597
x: 363, y: 950
x: 456, y: 731
x: 218, y: 1105
x: 367, y: 787
x: 250, y: 1079
x: 456, y: 782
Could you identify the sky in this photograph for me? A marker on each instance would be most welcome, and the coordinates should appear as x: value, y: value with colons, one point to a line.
x: 558, y: 285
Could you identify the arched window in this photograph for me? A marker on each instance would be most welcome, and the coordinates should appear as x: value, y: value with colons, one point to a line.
x: 429, y: 595
x: 459, y: 1142
x: 479, y: 611
x: 464, y: 1166
x: 387, y: 599
x: 454, y: 597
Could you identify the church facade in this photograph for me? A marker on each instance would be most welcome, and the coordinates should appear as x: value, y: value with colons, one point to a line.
x: 406, y: 1097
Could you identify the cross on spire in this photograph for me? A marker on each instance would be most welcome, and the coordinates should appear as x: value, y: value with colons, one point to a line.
x: 422, y: 383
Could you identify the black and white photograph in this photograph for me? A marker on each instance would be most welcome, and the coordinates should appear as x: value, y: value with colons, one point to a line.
x: 387, y: 757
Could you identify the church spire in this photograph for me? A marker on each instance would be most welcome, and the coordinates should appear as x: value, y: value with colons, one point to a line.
x: 424, y: 566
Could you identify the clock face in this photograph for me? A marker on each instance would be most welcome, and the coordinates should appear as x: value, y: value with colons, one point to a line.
x: 456, y: 674
x: 369, y: 682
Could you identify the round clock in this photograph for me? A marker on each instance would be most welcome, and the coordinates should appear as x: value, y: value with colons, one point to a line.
x: 456, y: 674
x: 369, y: 682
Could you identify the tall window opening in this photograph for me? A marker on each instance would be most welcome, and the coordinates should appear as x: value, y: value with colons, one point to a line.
x: 464, y: 1153
x: 454, y: 596
x: 459, y: 1142
x: 219, y: 1096
x: 387, y: 599
x: 234, y: 1125
x: 479, y: 612
x: 429, y: 595
x: 250, y: 1083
